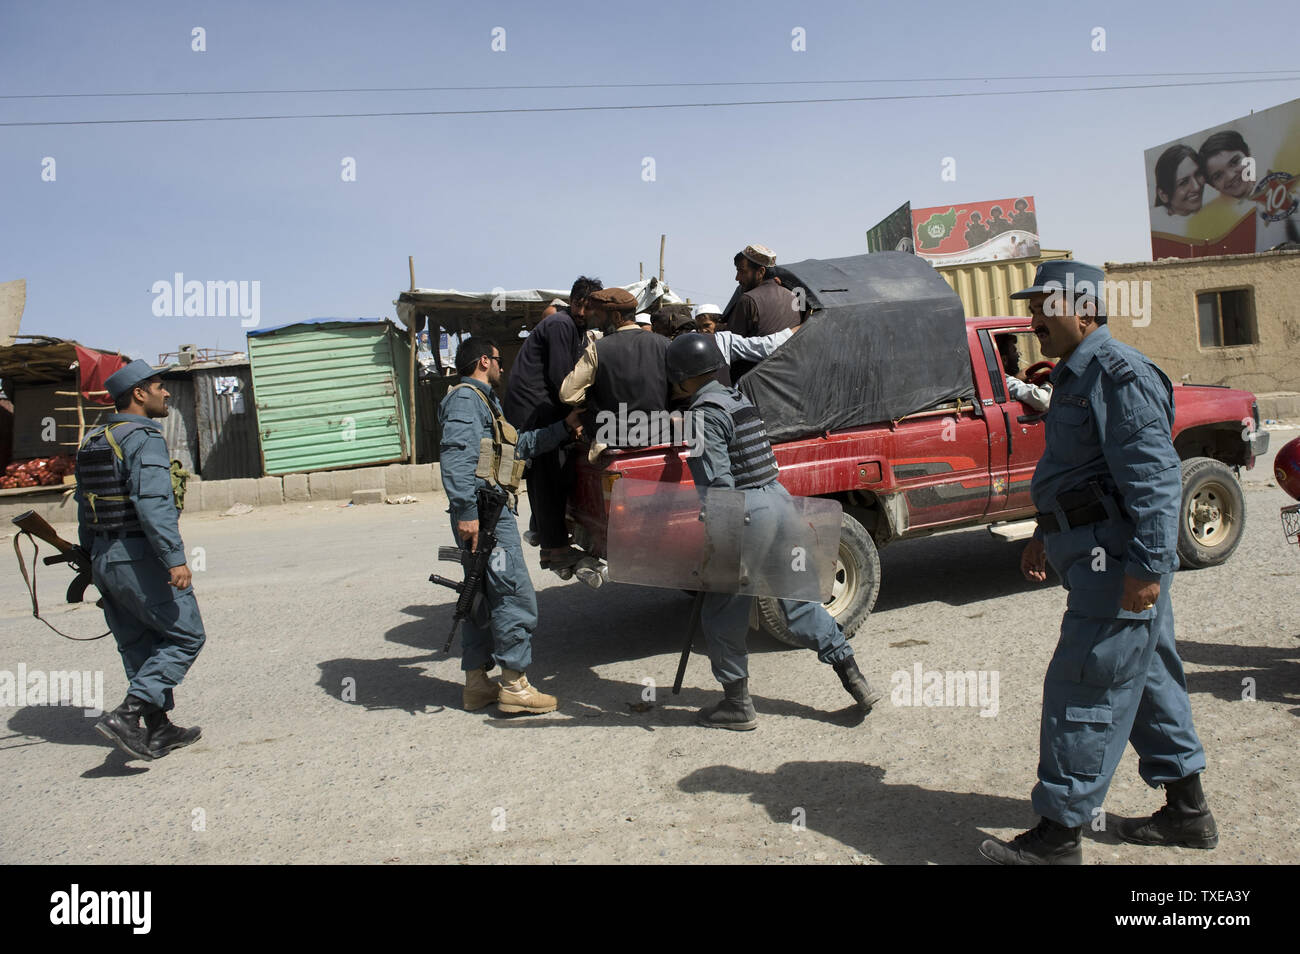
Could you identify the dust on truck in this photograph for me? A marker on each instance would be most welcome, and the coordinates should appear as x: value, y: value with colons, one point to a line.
x: 892, y: 402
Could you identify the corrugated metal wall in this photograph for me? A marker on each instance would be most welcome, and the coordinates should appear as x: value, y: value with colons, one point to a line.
x: 179, y: 428
x: 328, y: 396
x: 226, y: 417
x: 985, y: 287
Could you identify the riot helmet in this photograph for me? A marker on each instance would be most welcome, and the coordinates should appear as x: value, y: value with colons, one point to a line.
x: 691, y: 355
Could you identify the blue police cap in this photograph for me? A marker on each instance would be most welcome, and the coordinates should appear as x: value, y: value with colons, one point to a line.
x: 124, y: 379
x: 1065, y: 275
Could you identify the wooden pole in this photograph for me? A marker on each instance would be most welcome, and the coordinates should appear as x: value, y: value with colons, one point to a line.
x: 641, y: 267
x: 414, y: 342
x: 662, y: 238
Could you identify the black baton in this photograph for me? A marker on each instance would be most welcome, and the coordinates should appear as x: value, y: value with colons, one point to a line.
x: 691, y: 629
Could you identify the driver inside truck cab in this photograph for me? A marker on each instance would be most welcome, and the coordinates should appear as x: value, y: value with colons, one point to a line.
x: 1018, y: 384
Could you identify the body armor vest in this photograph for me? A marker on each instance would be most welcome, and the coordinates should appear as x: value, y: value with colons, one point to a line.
x: 752, y: 462
x: 102, y: 479
x: 496, y: 454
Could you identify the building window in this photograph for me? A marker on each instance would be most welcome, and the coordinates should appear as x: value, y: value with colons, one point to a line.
x: 1226, y: 319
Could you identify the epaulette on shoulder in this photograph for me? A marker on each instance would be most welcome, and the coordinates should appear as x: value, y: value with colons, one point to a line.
x: 466, y: 394
x: 1116, y: 365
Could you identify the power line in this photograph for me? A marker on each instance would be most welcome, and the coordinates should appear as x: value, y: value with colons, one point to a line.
x: 555, y: 86
x: 580, y: 109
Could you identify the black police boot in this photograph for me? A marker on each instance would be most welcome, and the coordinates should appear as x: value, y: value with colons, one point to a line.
x: 122, y: 728
x: 1185, y: 821
x: 735, y: 711
x: 1049, y: 843
x: 852, y: 679
x: 163, y: 736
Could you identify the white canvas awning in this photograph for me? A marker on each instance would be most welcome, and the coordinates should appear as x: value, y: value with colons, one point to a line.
x: 495, y: 306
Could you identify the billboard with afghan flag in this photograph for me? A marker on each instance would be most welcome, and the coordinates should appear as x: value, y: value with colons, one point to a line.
x: 976, y: 231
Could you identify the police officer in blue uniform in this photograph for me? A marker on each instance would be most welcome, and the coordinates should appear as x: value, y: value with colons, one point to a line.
x: 469, y: 413
x: 735, y: 453
x: 1107, y: 489
x: 129, y: 525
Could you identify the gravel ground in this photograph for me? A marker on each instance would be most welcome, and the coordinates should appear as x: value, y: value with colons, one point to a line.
x: 301, y: 601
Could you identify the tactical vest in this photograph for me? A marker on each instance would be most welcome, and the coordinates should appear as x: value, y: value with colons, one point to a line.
x: 496, y: 454
x: 102, y: 483
x: 752, y: 462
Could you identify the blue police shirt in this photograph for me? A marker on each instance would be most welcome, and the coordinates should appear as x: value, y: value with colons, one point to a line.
x: 465, y: 421
x: 149, y: 481
x: 713, y: 429
x: 1111, y: 419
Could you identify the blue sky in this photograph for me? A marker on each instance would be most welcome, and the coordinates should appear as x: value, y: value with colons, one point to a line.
x: 532, y: 200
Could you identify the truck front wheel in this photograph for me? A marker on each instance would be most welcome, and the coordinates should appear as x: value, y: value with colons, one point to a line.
x: 1212, y: 515
x: 857, y: 584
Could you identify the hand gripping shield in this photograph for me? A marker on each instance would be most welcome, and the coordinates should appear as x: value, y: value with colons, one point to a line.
x: 747, y: 542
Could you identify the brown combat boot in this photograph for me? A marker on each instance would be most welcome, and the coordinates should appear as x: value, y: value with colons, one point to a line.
x: 479, y: 690
x: 518, y: 696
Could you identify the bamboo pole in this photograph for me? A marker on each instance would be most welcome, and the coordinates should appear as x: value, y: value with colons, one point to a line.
x: 80, y: 408
x: 414, y: 343
x: 662, y: 239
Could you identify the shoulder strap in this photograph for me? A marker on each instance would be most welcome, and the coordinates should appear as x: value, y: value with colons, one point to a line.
x: 1116, y: 365
x: 502, y: 430
x: 115, y: 440
x: 92, y: 434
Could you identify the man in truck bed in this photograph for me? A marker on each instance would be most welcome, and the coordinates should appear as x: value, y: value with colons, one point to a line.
x: 735, y: 453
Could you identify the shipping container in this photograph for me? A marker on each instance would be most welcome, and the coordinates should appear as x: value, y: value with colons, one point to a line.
x: 985, y: 287
x: 330, y: 394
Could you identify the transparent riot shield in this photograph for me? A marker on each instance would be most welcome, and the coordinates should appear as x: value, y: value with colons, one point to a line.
x: 749, y: 542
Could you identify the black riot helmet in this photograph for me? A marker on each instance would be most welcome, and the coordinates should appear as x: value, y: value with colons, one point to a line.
x: 692, y: 354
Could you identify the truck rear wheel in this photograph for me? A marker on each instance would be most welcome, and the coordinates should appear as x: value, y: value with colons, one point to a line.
x: 1212, y: 515
x: 857, y: 584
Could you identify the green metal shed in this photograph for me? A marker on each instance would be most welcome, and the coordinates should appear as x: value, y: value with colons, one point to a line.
x: 331, y: 393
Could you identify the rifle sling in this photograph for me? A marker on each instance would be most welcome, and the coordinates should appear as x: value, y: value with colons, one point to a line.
x: 31, y: 588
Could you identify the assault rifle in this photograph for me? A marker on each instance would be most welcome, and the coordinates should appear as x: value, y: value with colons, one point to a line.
x: 34, y: 524
x: 490, y: 504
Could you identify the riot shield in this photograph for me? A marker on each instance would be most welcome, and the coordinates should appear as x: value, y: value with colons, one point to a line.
x: 748, y: 542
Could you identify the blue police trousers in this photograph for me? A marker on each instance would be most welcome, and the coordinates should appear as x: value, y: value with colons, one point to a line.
x: 1113, y: 681
x: 158, y: 628
x: 724, y: 617
x: 505, y: 637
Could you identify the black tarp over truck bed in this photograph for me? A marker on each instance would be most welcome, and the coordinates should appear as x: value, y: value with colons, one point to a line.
x: 886, y: 338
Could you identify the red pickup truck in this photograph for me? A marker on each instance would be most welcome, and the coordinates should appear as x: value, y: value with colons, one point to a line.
x: 966, y: 461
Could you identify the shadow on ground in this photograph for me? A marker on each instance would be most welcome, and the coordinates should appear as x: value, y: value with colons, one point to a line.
x: 973, y: 564
x: 852, y: 803
x: 1274, y: 672
x: 566, y: 663
x: 67, y: 725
